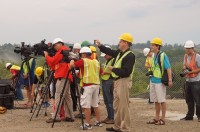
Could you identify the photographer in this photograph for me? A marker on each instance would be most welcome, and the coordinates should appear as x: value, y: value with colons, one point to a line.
x: 191, y: 70
x: 107, y: 88
x: 90, y: 81
x: 122, y: 72
x: 61, y: 70
x: 17, y: 83
x: 28, y: 73
x: 148, y: 64
x: 158, y: 89
x: 39, y: 84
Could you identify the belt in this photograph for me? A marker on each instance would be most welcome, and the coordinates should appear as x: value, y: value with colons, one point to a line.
x: 117, y: 78
x: 60, y: 78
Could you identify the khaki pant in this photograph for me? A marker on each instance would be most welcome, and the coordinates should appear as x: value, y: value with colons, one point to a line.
x: 66, y: 99
x: 121, y: 104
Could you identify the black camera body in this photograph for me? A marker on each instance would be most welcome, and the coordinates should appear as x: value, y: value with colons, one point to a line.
x: 41, y: 47
x: 68, y: 56
x: 25, y: 50
x: 37, y: 49
x: 150, y: 73
x: 184, y: 72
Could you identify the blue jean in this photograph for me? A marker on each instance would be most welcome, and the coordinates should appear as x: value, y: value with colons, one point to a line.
x: 108, y: 97
x: 19, y: 85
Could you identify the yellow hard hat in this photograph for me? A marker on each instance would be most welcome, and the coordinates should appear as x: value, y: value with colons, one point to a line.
x: 126, y: 37
x: 38, y: 71
x: 93, y: 49
x: 157, y: 41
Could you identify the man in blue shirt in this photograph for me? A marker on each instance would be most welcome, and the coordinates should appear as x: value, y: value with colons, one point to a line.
x: 157, y: 88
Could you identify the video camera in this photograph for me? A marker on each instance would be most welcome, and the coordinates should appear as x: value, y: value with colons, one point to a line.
x: 41, y: 47
x: 184, y: 72
x: 25, y: 50
x: 37, y: 49
x: 68, y: 56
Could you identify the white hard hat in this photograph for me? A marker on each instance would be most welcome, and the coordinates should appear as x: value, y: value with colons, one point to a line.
x: 146, y: 51
x: 189, y: 44
x: 103, y: 54
x: 85, y: 50
x: 8, y: 64
x: 77, y: 46
x: 57, y: 40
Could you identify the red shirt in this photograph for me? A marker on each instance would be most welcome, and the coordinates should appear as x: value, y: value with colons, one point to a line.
x: 14, y: 72
x: 61, y: 68
x: 80, y: 64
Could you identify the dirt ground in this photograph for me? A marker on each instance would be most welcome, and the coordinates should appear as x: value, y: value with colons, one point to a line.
x: 17, y: 120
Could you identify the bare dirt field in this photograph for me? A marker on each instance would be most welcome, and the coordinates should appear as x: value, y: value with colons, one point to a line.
x: 17, y: 120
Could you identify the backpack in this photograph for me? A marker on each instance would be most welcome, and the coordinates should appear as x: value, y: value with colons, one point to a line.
x: 165, y: 78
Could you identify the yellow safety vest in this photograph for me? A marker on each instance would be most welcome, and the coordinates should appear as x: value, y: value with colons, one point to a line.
x: 118, y: 64
x: 91, y: 72
x: 25, y: 67
x: 149, y: 61
x: 14, y: 67
x: 156, y: 68
x: 107, y: 70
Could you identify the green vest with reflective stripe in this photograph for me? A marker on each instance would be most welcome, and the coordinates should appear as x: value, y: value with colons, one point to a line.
x: 156, y: 68
x: 91, y: 72
x: 106, y: 70
x: 25, y: 67
x: 118, y: 64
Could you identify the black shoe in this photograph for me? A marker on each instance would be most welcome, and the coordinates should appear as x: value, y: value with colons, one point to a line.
x: 67, y: 119
x: 187, y: 118
x: 111, y: 129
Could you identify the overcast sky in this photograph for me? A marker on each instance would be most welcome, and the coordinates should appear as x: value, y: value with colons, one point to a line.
x: 175, y: 21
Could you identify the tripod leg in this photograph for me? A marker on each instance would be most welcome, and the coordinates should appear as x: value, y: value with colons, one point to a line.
x: 35, y: 102
x: 61, y: 98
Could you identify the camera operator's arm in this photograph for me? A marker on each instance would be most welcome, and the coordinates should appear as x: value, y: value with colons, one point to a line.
x: 55, y: 59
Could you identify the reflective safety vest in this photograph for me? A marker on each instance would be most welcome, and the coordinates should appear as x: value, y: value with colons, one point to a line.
x: 25, y: 67
x: 149, y: 61
x: 14, y: 67
x: 91, y: 72
x: 118, y: 64
x: 106, y: 70
x: 155, y: 66
x: 192, y: 65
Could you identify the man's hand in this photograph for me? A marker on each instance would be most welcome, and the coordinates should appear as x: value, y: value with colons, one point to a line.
x: 98, y: 43
x: 46, y: 53
x: 170, y: 83
x: 110, y: 68
x: 25, y: 76
x: 71, y: 63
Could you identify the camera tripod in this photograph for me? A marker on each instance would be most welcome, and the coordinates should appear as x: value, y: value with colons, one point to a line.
x: 25, y: 62
x: 42, y: 79
x: 63, y: 92
x: 43, y: 97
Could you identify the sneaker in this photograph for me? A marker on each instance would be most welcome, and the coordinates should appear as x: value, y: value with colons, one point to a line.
x: 51, y: 120
x: 67, y: 119
x: 98, y: 124
x: 187, y: 118
x: 110, y: 121
x: 104, y: 121
x: 86, y: 127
